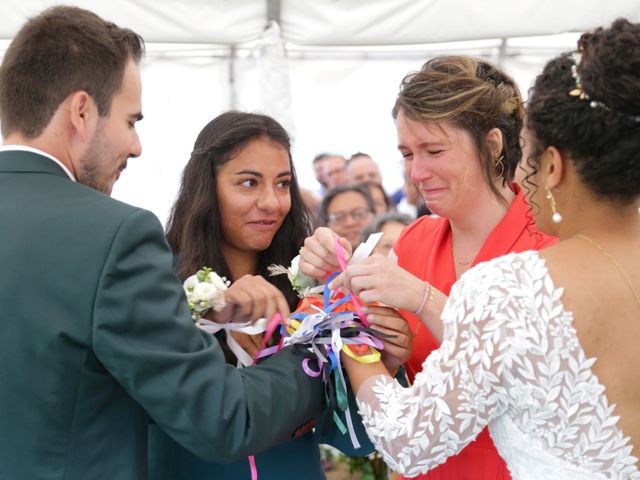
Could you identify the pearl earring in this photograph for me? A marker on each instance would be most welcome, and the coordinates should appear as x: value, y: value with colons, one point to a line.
x: 556, y: 217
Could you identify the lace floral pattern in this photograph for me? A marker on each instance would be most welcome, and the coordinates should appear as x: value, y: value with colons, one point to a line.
x: 510, y: 359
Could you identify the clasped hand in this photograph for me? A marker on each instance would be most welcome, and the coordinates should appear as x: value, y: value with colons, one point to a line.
x: 249, y: 298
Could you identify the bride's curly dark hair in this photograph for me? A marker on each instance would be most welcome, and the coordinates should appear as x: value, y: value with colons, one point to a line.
x: 194, y: 231
x: 603, y: 143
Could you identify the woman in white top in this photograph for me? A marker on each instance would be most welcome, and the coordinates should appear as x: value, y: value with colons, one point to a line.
x: 543, y: 346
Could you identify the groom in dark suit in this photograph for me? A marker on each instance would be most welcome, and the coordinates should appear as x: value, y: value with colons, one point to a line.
x: 96, y: 336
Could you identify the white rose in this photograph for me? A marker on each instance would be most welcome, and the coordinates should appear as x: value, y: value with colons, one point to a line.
x: 217, y: 281
x: 219, y: 302
x: 293, y: 269
x: 189, y: 294
x: 204, y: 292
x: 190, y: 282
x: 188, y: 286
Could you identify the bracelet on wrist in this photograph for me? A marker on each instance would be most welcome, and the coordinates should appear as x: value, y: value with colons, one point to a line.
x: 426, y: 298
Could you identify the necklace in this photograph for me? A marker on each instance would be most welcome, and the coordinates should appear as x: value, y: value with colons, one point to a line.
x: 617, y: 265
x: 453, y: 254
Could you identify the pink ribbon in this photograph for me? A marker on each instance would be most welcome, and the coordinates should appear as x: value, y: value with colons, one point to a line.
x: 307, y: 369
x: 268, y: 333
x: 254, y: 469
x: 340, y: 253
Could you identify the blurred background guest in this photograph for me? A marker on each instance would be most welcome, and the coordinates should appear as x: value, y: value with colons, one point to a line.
x: 330, y: 170
x: 361, y: 168
x: 381, y: 201
x: 346, y: 210
x: 391, y: 225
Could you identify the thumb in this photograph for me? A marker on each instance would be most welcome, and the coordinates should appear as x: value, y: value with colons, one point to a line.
x: 337, y: 282
x: 346, y: 246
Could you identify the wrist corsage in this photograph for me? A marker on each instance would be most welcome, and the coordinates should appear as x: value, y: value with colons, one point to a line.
x: 205, y: 291
x: 300, y: 282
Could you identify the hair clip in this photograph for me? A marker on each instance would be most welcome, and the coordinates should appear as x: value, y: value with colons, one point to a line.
x: 199, y: 151
x: 578, y: 90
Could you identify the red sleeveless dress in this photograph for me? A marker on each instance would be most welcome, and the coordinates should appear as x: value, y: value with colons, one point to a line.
x: 424, y: 249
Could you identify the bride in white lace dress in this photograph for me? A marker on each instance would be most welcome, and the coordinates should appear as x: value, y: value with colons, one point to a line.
x: 543, y: 346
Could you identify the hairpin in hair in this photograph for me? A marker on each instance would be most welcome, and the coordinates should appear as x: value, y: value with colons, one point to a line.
x: 580, y: 92
x: 199, y: 151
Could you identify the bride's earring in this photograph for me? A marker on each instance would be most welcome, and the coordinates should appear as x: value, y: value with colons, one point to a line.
x: 556, y: 217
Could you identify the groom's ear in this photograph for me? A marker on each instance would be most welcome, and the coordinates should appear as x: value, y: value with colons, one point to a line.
x: 82, y: 115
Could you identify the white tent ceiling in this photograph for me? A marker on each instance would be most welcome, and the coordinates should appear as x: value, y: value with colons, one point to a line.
x: 319, y: 74
x: 339, y: 22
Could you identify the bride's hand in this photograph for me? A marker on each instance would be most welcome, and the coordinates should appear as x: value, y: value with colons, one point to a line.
x: 249, y: 298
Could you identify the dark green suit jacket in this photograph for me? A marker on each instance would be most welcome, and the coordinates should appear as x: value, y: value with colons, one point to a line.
x: 96, y: 337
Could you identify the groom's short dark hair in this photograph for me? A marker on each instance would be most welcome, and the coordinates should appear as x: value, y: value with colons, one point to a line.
x: 60, y: 51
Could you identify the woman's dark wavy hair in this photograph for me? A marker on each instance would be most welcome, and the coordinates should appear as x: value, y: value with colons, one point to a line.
x: 194, y: 231
x: 473, y: 95
x: 602, y: 143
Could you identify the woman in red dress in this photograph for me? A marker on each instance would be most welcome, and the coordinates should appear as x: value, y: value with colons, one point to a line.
x: 458, y: 121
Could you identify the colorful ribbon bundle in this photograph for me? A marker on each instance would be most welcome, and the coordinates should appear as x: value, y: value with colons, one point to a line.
x: 330, y: 325
x: 327, y: 325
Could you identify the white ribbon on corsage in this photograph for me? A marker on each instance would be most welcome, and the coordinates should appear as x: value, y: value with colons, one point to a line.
x: 259, y: 326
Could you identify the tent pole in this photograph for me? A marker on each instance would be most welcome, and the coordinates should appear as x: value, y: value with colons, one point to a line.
x: 273, y: 11
x: 502, y: 53
x: 233, y: 94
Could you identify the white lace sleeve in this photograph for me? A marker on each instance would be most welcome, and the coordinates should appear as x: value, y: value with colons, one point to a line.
x: 459, y: 389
